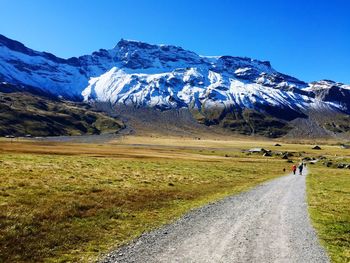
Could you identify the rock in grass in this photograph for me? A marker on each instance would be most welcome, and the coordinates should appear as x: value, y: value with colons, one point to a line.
x: 288, y: 154
x: 345, y: 146
x: 328, y: 164
x: 267, y: 154
x: 341, y: 166
x: 258, y: 150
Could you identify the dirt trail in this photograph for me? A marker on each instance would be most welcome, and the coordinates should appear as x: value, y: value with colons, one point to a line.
x: 267, y: 224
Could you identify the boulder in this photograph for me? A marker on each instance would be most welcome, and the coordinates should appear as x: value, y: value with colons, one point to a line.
x: 257, y: 150
x: 288, y: 154
x: 344, y: 146
x: 328, y: 164
x: 341, y: 166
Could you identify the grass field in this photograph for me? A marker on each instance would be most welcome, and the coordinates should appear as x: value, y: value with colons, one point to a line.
x: 329, y: 200
x: 66, y: 202
x: 72, y: 202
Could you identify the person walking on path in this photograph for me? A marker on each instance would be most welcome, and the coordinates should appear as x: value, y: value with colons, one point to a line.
x: 294, y: 168
x: 301, y: 166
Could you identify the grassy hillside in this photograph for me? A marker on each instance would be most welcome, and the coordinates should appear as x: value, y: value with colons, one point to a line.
x: 245, y: 122
x: 23, y: 113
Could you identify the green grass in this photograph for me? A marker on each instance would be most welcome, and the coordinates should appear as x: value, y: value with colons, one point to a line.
x: 73, y: 208
x: 329, y: 207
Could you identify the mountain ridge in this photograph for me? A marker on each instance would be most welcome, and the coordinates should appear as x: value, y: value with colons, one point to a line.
x: 134, y: 73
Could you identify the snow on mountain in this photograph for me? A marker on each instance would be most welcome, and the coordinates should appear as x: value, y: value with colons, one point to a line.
x: 163, y: 76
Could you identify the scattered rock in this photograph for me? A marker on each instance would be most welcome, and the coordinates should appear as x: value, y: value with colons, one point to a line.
x: 341, y: 166
x: 306, y: 159
x: 328, y: 164
x: 257, y: 150
x: 267, y: 154
x: 288, y: 154
x: 285, y: 157
x: 171, y: 184
x: 345, y: 146
x: 277, y: 144
x: 316, y: 147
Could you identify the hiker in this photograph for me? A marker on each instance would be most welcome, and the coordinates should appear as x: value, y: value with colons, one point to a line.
x: 301, y: 166
x: 294, y: 168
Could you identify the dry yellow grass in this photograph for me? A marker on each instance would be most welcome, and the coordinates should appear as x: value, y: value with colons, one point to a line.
x: 72, y: 202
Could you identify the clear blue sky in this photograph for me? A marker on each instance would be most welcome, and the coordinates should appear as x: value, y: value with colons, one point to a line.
x: 308, y: 39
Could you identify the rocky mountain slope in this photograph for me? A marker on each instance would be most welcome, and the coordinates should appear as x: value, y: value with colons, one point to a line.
x: 237, y: 93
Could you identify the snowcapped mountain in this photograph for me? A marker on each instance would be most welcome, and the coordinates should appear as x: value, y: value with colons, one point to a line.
x: 167, y: 77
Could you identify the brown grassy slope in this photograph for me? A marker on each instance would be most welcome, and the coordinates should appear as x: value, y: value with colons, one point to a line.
x: 23, y: 113
x: 187, y: 122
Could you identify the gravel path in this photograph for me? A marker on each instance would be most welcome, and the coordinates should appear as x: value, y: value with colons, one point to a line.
x: 267, y: 224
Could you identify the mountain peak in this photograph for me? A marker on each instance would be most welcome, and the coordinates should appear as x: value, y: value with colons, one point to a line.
x: 161, y: 76
x: 129, y: 44
x: 133, y: 43
x: 140, y: 55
